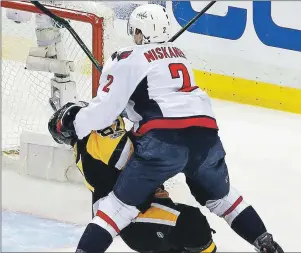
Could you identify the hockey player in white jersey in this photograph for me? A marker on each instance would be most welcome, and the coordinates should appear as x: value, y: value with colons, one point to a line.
x: 174, y: 131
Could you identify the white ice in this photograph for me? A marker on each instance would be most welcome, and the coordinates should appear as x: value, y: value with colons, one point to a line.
x: 264, y: 159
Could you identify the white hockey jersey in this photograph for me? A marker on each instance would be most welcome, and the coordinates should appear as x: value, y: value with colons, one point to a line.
x: 154, y: 83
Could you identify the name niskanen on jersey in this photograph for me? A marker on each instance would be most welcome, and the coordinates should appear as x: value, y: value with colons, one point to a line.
x: 155, y: 85
x: 163, y: 52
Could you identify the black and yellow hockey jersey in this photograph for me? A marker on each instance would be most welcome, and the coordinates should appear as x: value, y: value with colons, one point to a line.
x: 102, y: 155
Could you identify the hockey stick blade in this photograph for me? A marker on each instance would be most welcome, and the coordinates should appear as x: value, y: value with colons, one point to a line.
x: 179, y: 33
x: 66, y: 24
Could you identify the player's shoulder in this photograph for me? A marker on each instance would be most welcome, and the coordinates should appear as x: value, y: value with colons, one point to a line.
x: 117, y: 56
x: 123, y: 53
x: 131, y: 52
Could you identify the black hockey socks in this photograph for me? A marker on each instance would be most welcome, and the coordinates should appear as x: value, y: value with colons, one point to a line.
x: 94, y: 239
x: 248, y: 225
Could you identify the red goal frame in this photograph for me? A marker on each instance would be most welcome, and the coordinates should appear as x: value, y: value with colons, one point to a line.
x: 95, y: 21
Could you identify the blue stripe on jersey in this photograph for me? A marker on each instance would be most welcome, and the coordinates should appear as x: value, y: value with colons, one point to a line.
x: 147, y: 108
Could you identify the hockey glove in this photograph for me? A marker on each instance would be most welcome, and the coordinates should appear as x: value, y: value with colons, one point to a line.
x: 61, y: 126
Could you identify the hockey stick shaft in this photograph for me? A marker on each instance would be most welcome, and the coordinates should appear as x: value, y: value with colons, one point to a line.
x: 179, y: 33
x: 66, y: 24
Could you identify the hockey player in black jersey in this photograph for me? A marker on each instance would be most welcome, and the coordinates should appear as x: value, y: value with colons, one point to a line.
x: 162, y: 225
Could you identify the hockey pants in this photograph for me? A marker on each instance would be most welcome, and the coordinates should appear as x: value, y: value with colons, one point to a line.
x: 161, y: 154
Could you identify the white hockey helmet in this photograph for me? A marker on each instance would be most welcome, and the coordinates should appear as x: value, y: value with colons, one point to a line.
x: 153, y: 22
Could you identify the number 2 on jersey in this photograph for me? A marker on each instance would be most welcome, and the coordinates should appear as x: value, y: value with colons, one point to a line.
x: 106, y: 87
x: 175, y: 69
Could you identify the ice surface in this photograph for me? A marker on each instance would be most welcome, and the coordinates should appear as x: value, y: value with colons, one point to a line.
x: 27, y: 233
x: 24, y: 232
x: 263, y: 155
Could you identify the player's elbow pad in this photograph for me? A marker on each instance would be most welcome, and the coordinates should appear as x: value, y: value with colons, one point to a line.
x: 94, y: 117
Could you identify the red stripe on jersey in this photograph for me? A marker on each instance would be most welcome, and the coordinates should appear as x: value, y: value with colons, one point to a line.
x: 177, y: 124
x: 236, y: 203
x: 108, y: 220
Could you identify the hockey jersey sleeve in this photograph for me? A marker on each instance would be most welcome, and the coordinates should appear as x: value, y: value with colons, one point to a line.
x: 118, y: 81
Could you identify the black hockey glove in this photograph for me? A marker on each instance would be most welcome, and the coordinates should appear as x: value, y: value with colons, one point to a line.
x: 61, y: 126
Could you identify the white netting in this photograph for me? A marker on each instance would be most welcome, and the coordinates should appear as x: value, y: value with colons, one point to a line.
x: 25, y: 93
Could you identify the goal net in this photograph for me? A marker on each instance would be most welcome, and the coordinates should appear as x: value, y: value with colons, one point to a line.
x: 26, y: 92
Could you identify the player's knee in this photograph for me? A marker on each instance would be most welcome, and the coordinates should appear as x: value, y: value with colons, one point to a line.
x: 114, y: 215
x: 192, y: 229
x: 229, y: 207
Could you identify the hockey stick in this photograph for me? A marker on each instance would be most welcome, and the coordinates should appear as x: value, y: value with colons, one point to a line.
x: 66, y: 24
x: 179, y: 33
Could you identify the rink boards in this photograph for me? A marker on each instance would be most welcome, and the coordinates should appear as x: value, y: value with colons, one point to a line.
x: 247, y: 52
